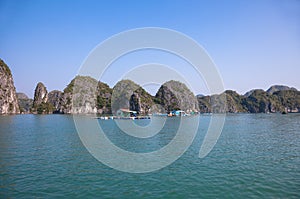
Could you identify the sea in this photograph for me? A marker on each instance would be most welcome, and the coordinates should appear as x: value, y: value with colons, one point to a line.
x: 255, y: 156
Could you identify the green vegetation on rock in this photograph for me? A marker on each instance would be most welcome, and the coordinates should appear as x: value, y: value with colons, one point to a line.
x: 8, y: 99
x: 104, y: 93
x: 174, y: 95
x: 85, y: 95
x: 128, y: 95
x: 25, y: 103
x: 256, y: 101
x: 289, y: 100
x: 4, y: 68
x: 44, y: 108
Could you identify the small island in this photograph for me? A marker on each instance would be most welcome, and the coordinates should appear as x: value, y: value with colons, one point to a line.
x: 85, y: 95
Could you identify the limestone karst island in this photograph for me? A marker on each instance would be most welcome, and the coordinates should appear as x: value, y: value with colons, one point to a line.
x: 98, y: 97
x: 166, y: 99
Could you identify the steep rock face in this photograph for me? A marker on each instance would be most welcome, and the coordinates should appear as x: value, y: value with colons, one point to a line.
x: 174, y: 95
x: 54, y: 98
x: 247, y: 94
x: 85, y: 95
x: 40, y: 100
x: 25, y: 103
x: 227, y: 102
x: 135, y: 102
x: 65, y: 103
x: 234, y: 102
x: 40, y: 94
x: 80, y: 96
x: 219, y: 103
x: 104, y: 93
x: 276, y: 88
x: 8, y: 98
x: 204, y: 104
x: 256, y: 101
x: 261, y: 102
x: 167, y: 99
x: 289, y: 100
x: 141, y: 101
x: 128, y: 95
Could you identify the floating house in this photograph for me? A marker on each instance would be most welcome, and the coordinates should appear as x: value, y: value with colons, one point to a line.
x: 177, y: 113
x: 126, y: 113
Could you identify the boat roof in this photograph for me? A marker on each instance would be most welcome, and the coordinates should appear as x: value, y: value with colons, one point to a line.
x: 127, y: 110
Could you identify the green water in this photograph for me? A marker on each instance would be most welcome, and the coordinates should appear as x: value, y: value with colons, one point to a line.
x: 256, y: 156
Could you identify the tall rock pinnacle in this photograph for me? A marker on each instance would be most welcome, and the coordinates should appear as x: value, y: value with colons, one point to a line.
x: 8, y: 98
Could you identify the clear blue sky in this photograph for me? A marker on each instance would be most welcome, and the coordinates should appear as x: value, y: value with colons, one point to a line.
x: 254, y: 43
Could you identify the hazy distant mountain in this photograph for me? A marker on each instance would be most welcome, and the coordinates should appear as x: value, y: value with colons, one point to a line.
x: 200, y: 95
x: 25, y: 103
x: 22, y: 96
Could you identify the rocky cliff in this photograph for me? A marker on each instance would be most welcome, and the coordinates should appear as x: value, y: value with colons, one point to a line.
x: 260, y: 101
x: 141, y: 101
x: 174, y: 95
x: 80, y: 96
x: 104, y: 93
x: 40, y: 94
x: 84, y: 95
x: 204, y: 104
x: 8, y: 98
x: 128, y: 95
x: 40, y: 100
x: 288, y: 100
x: 54, y: 99
x: 276, y: 88
x: 275, y: 99
x: 87, y: 95
x: 227, y: 102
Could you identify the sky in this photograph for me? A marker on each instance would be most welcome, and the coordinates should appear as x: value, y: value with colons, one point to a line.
x: 254, y: 44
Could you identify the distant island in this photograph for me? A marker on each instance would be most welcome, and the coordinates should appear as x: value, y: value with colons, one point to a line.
x: 86, y: 95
